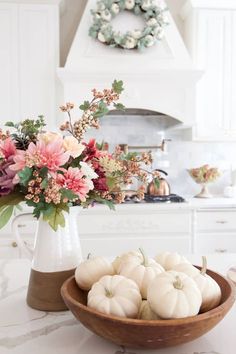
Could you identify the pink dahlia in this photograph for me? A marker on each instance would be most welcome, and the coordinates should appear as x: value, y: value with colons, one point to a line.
x: 42, y: 154
x: 74, y: 180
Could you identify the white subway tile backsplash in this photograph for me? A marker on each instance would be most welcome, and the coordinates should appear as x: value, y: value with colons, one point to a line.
x: 180, y: 154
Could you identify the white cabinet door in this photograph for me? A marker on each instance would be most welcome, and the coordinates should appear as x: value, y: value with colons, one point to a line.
x: 214, y: 106
x: 38, y: 60
x: 29, y: 57
x: 9, y: 80
x: 211, y: 37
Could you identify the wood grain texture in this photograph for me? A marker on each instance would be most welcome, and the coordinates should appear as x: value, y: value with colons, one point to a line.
x: 147, y: 334
x: 44, y: 290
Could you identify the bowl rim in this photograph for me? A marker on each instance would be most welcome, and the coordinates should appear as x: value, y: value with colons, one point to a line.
x: 167, y: 322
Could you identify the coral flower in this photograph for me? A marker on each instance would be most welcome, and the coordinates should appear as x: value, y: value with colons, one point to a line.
x: 74, y: 180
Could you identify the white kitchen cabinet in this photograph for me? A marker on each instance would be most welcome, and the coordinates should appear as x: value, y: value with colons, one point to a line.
x: 210, y: 29
x: 29, y: 56
x: 106, y: 232
x: 215, y: 231
x: 186, y: 228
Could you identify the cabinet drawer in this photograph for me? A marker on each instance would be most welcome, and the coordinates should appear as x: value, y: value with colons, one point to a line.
x: 113, y: 223
x: 113, y: 246
x: 216, y: 244
x: 219, y: 220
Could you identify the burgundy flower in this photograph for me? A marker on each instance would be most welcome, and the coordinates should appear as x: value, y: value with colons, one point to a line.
x: 100, y: 183
x: 91, y: 151
x: 6, y: 176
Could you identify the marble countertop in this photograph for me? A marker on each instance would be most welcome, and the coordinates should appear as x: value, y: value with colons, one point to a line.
x: 26, y: 331
x: 216, y: 202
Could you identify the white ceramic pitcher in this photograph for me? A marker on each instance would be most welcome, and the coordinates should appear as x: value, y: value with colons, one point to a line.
x: 54, y: 258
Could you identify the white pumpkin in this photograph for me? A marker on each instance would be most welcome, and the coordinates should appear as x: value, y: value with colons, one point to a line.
x: 174, y: 295
x: 91, y: 270
x: 115, y: 295
x: 210, y: 290
x: 186, y: 268
x: 169, y: 260
x: 146, y: 313
x: 142, y: 272
x: 131, y: 255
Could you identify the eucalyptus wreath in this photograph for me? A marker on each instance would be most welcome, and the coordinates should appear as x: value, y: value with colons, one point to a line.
x: 153, y: 15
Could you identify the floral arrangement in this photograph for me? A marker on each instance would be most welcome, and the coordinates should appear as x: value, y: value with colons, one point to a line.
x: 154, y: 16
x: 204, y: 174
x: 52, y: 171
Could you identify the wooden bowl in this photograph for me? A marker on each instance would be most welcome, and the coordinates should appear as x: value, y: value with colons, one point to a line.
x: 142, y: 333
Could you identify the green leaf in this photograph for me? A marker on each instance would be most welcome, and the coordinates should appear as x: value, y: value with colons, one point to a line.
x: 9, y: 124
x: 25, y: 175
x: 84, y: 106
x: 106, y: 202
x: 43, y: 172
x: 5, y: 215
x: 111, y: 182
x: 156, y: 182
x: 19, y: 207
x: 119, y: 106
x: 55, y: 218
x: 11, y: 199
x: 102, y: 110
x: 44, y: 183
x: 117, y: 86
x: 130, y: 156
x: 66, y: 193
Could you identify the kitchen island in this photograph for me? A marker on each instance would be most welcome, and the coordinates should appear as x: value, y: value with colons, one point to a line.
x: 25, y: 331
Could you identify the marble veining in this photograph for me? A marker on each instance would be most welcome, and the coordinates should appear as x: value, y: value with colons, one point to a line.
x: 11, y: 342
x: 24, y: 330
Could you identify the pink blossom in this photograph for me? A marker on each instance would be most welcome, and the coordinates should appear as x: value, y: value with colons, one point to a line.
x: 19, y: 160
x: 73, y: 179
x: 7, y: 148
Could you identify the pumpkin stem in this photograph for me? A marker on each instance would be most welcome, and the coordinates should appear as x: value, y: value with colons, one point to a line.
x: 145, y: 258
x: 178, y: 283
x: 204, y: 265
x: 108, y: 293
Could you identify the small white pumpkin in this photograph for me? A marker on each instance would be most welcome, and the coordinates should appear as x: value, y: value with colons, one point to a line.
x: 142, y: 272
x: 210, y: 290
x: 174, y: 295
x: 91, y: 270
x: 168, y: 260
x: 146, y: 313
x: 131, y: 255
x: 186, y: 268
x: 115, y: 295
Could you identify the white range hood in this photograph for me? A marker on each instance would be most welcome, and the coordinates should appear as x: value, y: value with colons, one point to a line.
x: 160, y: 79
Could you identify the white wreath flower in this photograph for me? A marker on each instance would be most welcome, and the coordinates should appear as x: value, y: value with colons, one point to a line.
x: 115, y: 8
x: 129, y: 4
x: 154, y: 16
